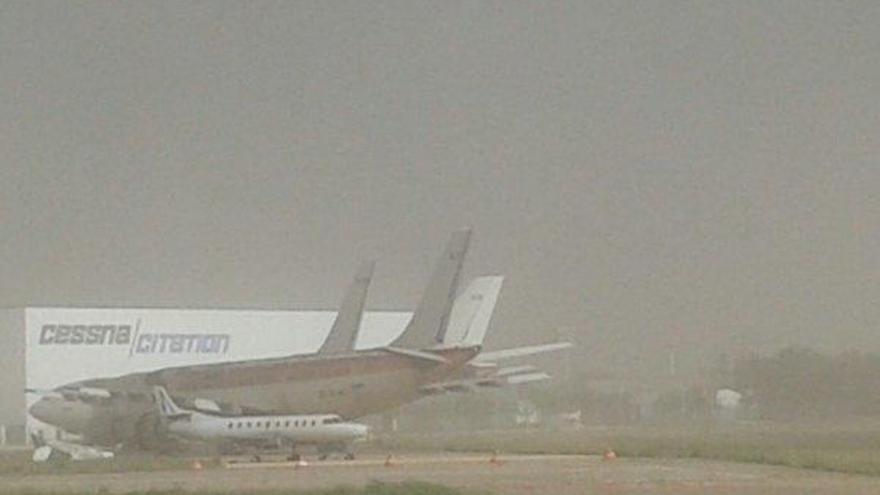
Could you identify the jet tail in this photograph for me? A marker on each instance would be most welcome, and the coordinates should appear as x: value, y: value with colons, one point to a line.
x: 168, y: 409
x: 427, y: 328
x: 472, y: 312
x: 343, y: 335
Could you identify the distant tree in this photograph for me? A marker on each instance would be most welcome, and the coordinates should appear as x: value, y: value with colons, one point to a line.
x: 799, y: 383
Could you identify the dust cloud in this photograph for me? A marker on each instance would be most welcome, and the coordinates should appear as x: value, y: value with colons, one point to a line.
x: 687, y: 192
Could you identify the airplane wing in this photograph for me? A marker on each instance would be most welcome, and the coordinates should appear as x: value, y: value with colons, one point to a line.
x: 483, y: 371
x: 426, y: 356
x: 484, y: 357
x: 528, y: 378
x: 493, y: 381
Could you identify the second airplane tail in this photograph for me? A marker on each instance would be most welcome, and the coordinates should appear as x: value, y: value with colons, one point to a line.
x: 166, y: 405
x: 428, y: 325
x: 344, y: 332
x: 472, y: 312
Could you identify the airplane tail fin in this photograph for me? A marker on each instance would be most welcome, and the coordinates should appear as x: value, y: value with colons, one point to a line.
x: 165, y: 404
x: 472, y: 312
x: 428, y: 325
x: 343, y: 335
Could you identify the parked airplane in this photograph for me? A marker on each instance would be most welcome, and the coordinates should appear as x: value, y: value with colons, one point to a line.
x: 46, y: 450
x: 439, y: 351
x: 326, y: 431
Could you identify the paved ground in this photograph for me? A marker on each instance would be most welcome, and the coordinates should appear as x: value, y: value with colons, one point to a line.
x: 514, y: 475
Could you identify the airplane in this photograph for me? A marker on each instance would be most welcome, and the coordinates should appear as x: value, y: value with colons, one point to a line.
x: 325, y: 431
x: 439, y: 351
x: 344, y: 332
x: 46, y: 450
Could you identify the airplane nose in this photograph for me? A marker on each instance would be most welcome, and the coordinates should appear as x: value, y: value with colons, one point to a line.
x: 71, y: 416
x: 361, y: 430
x: 42, y: 410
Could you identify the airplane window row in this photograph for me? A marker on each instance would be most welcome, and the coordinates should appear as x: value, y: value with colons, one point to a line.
x: 268, y: 424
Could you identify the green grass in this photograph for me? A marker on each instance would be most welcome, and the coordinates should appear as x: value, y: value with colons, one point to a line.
x: 855, y: 451
x: 853, y: 448
x: 409, y: 488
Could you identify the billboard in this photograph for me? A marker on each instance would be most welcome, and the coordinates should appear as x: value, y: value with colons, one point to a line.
x: 64, y: 345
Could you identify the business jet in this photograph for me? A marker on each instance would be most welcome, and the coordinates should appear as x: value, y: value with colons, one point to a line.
x: 328, y: 432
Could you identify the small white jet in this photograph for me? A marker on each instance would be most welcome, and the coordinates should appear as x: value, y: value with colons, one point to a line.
x: 46, y: 450
x: 325, y: 431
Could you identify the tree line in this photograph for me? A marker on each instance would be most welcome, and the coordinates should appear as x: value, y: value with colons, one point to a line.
x: 802, y: 383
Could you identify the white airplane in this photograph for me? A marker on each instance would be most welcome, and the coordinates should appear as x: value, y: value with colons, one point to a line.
x: 439, y: 351
x: 325, y: 431
x: 51, y: 449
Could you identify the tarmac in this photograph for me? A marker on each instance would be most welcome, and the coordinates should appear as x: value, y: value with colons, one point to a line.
x: 501, y: 475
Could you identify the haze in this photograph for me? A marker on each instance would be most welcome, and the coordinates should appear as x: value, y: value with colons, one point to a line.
x: 648, y: 176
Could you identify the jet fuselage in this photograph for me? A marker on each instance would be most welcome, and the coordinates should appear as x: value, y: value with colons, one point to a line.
x: 351, y: 386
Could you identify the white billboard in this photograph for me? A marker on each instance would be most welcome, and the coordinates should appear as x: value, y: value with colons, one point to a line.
x: 65, y: 345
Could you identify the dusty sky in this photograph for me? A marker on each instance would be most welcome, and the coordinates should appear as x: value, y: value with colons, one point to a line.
x: 698, y: 176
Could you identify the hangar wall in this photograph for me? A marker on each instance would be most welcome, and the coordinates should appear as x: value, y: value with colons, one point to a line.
x: 12, y: 377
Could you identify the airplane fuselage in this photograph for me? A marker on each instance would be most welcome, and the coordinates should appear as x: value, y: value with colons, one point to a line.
x: 351, y: 386
x: 298, y: 429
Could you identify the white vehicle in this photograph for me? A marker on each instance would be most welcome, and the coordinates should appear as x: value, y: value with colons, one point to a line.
x: 50, y: 449
x: 326, y: 431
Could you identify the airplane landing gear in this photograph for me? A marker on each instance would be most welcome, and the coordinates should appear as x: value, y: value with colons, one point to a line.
x: 294, y: 455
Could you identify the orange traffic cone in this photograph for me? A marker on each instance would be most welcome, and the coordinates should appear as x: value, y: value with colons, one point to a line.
x: 609, y: 455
